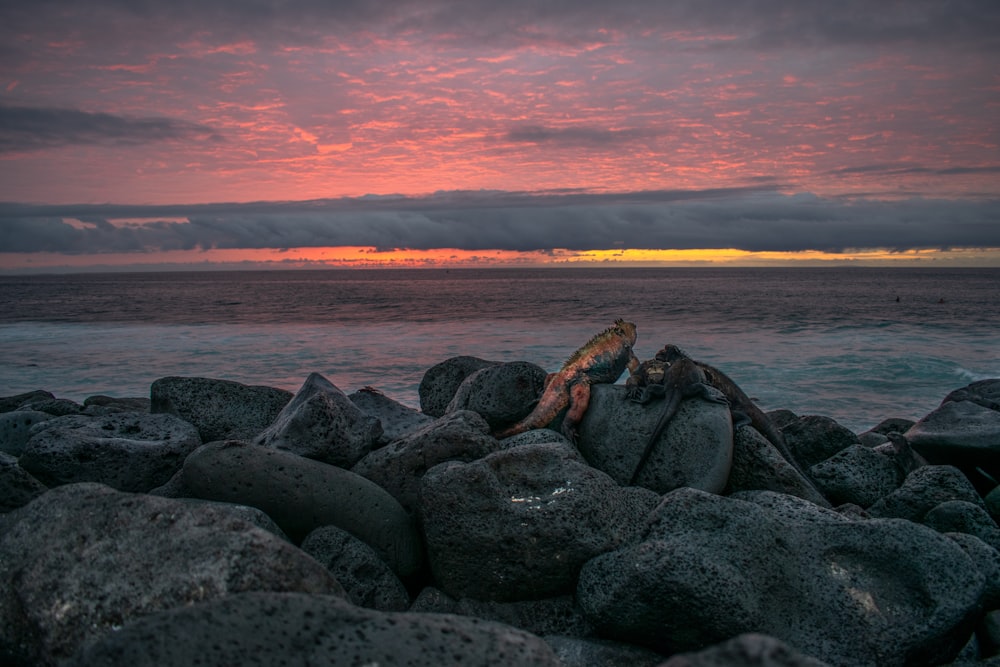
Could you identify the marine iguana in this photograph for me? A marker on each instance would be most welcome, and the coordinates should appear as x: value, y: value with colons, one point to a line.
x: 659, y: 377
x: 601, y: 361
x: 675, y: 376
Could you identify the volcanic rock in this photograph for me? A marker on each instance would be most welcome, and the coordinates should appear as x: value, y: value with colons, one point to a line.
x: 695, y: 449
x: 399, y: 466
x: 128, y: 451
x: 366, y: 578
x: 295, y: 629
x: 442, y: 380
x: 321, y: 423
x: 519, y: 523
x: 82, y: 560
x: 397, y: 419
x: 15, y: 429
x: 709, y: 568
x: 501, y: 394
x: 301, y: 495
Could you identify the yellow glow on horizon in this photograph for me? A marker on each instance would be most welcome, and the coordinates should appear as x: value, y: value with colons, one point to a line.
x: 734, y: 257
x: 368, y: 258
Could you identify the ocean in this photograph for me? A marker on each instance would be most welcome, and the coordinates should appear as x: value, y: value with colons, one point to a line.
x: 855, y: 344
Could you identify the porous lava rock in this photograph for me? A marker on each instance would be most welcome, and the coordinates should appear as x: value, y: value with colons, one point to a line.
x: 219, y: 409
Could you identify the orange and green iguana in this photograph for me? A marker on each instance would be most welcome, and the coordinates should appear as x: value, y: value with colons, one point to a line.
x: 601, y: 361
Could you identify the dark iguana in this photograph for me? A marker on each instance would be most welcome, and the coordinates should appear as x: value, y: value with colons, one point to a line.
x: 672, y: 374
x: 601, y: 361
x: 675, y: 378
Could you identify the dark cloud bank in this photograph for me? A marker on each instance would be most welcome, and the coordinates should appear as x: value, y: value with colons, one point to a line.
x: 34, y: 128
x: 768, y: 24
x: 743, y: 219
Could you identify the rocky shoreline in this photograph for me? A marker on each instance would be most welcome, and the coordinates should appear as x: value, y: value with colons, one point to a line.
x: 216, y: 523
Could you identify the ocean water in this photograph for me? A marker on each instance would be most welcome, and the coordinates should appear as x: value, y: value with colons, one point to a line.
x: 855, y: 344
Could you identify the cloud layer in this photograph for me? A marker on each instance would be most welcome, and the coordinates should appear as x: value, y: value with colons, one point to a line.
x: 32, y: 128
x: 578, y: 124
x: 745, y: 220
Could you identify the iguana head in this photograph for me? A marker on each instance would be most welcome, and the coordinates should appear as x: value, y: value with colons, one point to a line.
x: 670, y: 354
x: 626, y: 330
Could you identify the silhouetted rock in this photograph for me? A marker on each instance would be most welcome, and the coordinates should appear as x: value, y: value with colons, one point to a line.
x: 959, y: 433
x: 17, y: 401
x: 922, y: 490
x: 961, y: 516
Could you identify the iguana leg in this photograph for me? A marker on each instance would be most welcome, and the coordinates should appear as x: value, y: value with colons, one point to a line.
x: 645, y: 394
x: 579, y: 399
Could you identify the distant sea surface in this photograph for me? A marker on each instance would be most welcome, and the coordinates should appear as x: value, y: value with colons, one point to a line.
x: 855, y: 344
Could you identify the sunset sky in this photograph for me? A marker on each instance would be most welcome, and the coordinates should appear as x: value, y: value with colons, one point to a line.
x: 287, y: 133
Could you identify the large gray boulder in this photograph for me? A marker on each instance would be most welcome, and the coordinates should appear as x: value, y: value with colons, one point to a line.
x: 128, y: 451
x: 82, y: 560
x: 857, y: 475
x: 321, y: 423
x: 219, y: 409
x: 708, y: 568
x: 815, y: 438
x: 759, y: 466
x: 695, y: 450
x: 314, y: 631
x: 15, y: 429
x: 961, y: 516
x: 501, y: 394
x: 519, y: 523
x: 924, y: 489
x: 301, y: 495
x: 442, y: 380
x: 399, y: 466
x: 964, y: 429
